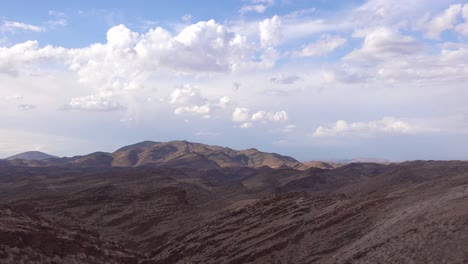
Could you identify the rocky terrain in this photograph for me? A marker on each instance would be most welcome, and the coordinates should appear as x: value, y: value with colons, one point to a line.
x: 125, y: 207
x: 26, y: 238
x: 31, y: 155
x: 174, y: 154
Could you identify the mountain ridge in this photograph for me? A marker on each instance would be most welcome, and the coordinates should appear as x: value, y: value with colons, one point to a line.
x: 31, y: 155
x: 178, y: 153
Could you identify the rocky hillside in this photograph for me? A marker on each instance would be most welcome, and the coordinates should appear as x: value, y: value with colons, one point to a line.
x: 409, y: 212
x: 174, y: 154
x: 25, y: 238
x: 31, y: 155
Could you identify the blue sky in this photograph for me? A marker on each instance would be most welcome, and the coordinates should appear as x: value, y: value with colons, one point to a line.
x: 310, y: 79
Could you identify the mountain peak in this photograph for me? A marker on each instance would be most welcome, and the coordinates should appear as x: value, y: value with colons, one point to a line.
x: 31, y: 155
x: 143, y: 144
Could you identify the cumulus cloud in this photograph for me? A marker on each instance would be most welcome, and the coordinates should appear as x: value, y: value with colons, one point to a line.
x: 270, y: 31
x: 387, y: 55
x: 25, y: 56
x: 443, y: 21
x: 290, y: 79
x: 12, y: 26
x: 224, y: 102
x: 127, y: 58
x: 93, y: 103
x: 385, y: 125
x: 242, y: 115
x: 187, y: 99
x: 269, y: 116
x: 323, y: 46
x: 203, y: 110
x: 383, y: 43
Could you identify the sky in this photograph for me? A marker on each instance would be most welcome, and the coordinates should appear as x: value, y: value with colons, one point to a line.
x: 316, y: 80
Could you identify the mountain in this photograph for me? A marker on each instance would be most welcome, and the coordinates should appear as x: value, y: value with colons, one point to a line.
x: 188, y: 154
x: 176, y: 154
x: 183, y: 202
x: 322, y: 164
x: 31, y: 155
x: 362, y: 160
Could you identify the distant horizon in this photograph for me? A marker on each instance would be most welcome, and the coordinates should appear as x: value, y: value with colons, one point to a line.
x: 336, y: 160
x: 314, y: 80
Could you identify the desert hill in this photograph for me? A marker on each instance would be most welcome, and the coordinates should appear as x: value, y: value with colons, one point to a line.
x: 26, y: 238
x: 31, y: 155
x: 408, y: 212
x: 174, y: 154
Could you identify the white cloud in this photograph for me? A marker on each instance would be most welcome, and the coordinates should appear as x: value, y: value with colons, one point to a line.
x: 246, y: 125
x: 258, y: 6
x: 187, y: 99
x: 300, y: 13
x: 203, y: 110
x: 25, y: 56
x: 462, y: 28
x: 385, y: 125
x: 12, y: 26
x: 93, y: 103
x: 443, y: 21
x: 128, y: 59
x: 58, y: 19
x: 252, y: 8
x: 186, y: 94
x: 242, y: 115
x: 224, y: 102
x: 383, y: 43
x: 270, y: 31
x: 269, y: 116
x: 323, y: 46
x: 389, y: 57
x: 57, y: 23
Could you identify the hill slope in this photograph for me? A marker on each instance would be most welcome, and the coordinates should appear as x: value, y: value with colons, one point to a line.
x: 31, y: 155
x: 174, y: 154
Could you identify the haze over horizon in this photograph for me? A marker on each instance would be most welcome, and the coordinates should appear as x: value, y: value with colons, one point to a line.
x: 309, y: 79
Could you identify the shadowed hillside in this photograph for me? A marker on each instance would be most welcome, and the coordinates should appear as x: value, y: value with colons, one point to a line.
x: 184, y: 212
